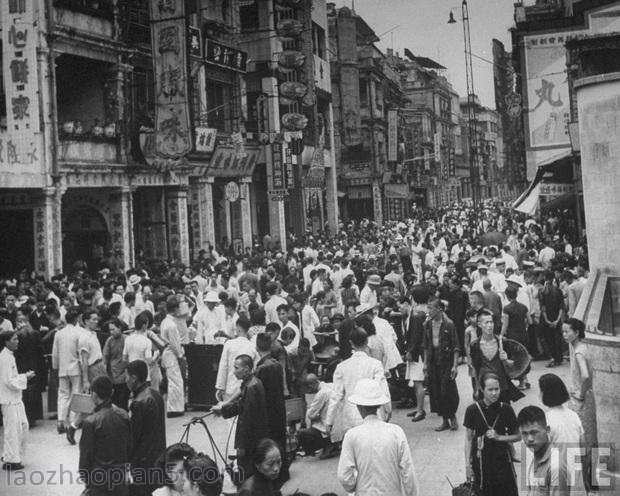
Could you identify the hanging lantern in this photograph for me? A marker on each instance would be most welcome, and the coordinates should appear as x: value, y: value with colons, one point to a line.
x: 291, y: 59
x: 293, y: 89
x: 309, y: 100
x: 289, y: 28
x: 294, y: 121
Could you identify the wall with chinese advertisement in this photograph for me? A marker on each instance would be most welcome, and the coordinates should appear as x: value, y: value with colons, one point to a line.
x: 21, y: 143
x: 172, y: 121
x: 546, y: 94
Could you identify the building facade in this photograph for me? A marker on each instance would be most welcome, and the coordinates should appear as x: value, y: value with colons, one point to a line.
x: 432, y: 118
x: 509, y: 105
x: 125, y: 132
x: 368, y: 103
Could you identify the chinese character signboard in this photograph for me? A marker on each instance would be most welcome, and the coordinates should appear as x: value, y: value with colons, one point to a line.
x: 277, y: 179
x: 290, y: 173
x: 19, y: 42
x: 437, y: 147
x: 392, y: 135
x: 225, y: 56
x: 205, y: 139
x: 226, y: 162
x: 173, y: 137
x: 555, y: 189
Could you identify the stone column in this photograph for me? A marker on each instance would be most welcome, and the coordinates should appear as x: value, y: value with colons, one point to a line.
x: 47, y: 232
x: 178, y: 233
x: 377, y: 202
x: 201, y: 214
x: 122, y: 225
x: 246, y: 216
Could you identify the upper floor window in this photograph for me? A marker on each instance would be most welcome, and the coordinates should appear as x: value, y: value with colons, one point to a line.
x: 318, y: 41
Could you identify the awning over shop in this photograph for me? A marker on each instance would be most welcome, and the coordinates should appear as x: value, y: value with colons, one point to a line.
x: 528, y: 201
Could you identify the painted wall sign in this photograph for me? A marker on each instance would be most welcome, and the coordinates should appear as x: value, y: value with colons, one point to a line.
x: 173, y: 137
x: 19, y: 42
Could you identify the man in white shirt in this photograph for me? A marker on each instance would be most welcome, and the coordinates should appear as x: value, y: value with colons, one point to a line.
x: 347, y: 374
x: 230, y: 318
x: 209, y: 321
x: 227, y: 385
x: 13, y: 411
x: 283, y: 316
x: 91, y: 362
x: 375, y: 458
x: 274, y: 300
x: 316, y: 437
x: 545, y: 256
x: 138, y: 346
x: 66, y: 360
x: 368, y: 295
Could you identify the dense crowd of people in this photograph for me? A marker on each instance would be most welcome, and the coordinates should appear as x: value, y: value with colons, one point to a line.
x: 397, y: 308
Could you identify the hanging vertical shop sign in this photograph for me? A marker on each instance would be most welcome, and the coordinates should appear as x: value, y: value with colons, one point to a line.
x: 276, y: 181
x: 452, y: 161
x: 290, y: 173
x: 392, y: 135
x: 173, y: 137
x: 19, y: 42
x: 437, y: 147
x: 205, y: 139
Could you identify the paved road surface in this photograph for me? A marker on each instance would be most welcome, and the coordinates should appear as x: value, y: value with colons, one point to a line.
x: 51, y: 463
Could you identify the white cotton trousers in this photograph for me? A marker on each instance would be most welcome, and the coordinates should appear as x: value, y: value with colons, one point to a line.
x: 15, y: 432
x: 67, y: 386
x: 176, y: 390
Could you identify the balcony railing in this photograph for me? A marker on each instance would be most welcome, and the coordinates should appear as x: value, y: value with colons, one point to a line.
x: 95, y: 8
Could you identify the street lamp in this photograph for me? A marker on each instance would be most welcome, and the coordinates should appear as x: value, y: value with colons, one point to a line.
x: 474, y: 173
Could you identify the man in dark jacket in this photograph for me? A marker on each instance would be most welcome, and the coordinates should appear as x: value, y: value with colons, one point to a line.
x: 251, y: 408
x: 148, y: 428
x: 441, y: 355
x: 105, y: 444
x: 269, y: 371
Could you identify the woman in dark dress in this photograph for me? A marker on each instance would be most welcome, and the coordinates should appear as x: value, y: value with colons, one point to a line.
x: 491, y: 428
x: 267, y: 464
x: 488, y: 355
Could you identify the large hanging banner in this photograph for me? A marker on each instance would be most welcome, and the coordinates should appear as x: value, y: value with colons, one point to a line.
x: 19, y: 42
x: 173, y: 137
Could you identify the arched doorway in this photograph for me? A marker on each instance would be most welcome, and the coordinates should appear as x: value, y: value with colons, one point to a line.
x: 85, y: 237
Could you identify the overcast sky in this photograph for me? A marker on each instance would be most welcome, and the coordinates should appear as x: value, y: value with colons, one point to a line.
x: 423, y: 28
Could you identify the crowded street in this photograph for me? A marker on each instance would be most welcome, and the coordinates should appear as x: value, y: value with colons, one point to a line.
x: 436, y: 456
x: 309, y: 248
